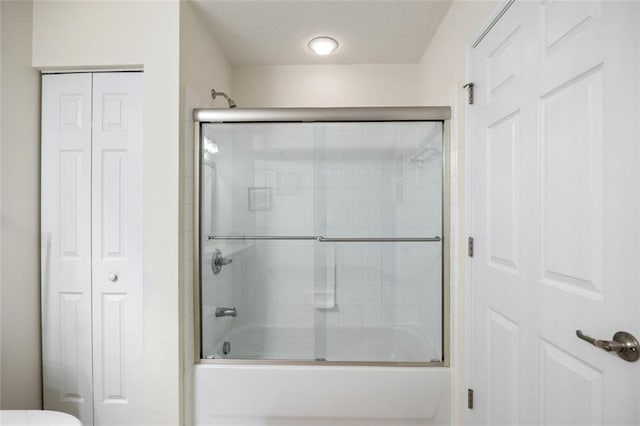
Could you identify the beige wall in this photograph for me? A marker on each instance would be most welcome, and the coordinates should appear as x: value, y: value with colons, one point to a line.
x: 202, y: 67
x: 202, y: 63
x: 430, y: 82
x: 132, y: 34
x: 181, y: 63
x: 326, y: 85
x: 436, y: 80
x: 442, y: 75
x: 20, y: 378
x: 443, y: 63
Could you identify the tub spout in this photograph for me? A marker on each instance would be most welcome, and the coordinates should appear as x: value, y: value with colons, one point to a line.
x: 226, y: 312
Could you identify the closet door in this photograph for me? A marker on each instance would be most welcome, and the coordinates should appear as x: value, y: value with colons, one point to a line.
x: 117, y: 247
x: 66, y: 244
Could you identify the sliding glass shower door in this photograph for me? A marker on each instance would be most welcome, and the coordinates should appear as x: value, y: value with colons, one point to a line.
x: 322, y: 241
x: 257, y: 212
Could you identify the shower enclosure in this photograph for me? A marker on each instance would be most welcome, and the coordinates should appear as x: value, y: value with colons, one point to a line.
x: 323, y: 235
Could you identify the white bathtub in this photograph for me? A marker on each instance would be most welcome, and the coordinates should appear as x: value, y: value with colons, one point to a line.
x: 259, y: 394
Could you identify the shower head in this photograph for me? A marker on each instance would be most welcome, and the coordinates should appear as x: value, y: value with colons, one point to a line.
x: 214, y: 94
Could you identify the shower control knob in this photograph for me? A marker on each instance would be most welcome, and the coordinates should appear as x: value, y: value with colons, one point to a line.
x: 113, y: 277
x: 217, y: 261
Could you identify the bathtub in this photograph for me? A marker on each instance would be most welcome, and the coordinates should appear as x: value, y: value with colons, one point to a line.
x: 254, y: 392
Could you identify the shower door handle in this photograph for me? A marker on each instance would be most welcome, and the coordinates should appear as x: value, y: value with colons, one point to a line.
x: 623, y: 343
x: 217, y: 261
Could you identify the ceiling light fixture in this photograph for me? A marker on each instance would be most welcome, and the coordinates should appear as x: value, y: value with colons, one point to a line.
x: 323, y: 45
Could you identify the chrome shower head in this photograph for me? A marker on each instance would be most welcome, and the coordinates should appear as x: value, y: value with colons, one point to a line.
x: 230, y: 101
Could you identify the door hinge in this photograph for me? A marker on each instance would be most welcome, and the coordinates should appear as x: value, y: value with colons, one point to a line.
x: 470, y: 246
x: 470, y: 399
x: 469, y: 87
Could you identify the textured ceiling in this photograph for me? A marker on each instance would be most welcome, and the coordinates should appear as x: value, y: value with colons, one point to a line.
x: 276, y: 32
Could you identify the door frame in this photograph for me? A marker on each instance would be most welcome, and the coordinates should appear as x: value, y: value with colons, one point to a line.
x: 471, y: 44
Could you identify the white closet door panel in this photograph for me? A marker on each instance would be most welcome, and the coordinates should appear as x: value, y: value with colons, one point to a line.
x: 117, y: 247
x: 66, y: 244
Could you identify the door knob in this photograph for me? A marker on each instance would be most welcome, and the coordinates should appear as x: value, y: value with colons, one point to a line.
x: 217, y: 262
x: 623, y: 343
x: 113, y: 277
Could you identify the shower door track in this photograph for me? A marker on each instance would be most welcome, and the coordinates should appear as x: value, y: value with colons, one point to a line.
x: 329, y: 239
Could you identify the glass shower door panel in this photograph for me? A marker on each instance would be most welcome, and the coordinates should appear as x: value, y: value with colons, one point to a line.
x: 379, y: 179
x: 257, y: 217
x: 388, y: 303
x: 379, y: 300
x: 304, y: 251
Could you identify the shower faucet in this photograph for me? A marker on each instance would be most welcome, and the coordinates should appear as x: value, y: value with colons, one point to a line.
x: 218, y: 261
x: 226, y: 312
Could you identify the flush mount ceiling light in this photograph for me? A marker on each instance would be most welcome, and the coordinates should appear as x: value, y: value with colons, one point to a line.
x: 323, y: 45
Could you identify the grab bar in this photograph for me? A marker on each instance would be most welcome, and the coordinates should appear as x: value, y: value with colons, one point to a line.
x: 328, y: 239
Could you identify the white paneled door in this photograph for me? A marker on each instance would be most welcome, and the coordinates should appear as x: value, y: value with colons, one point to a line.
x: 554, y: 148
x: 92, y: 246
x: 116, y: 236
x: 66, y: 244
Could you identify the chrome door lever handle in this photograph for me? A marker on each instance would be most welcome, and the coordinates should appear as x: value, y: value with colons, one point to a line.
x: 623, y: 343
x: 602, y: 344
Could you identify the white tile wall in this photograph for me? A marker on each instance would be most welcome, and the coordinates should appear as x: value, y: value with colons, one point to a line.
x: 334, y: 180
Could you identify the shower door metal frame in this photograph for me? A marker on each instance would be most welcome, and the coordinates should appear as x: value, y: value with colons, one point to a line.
x: 328, y: 115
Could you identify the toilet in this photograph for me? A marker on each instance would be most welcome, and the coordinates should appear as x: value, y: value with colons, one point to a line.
x: 37, y: 418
